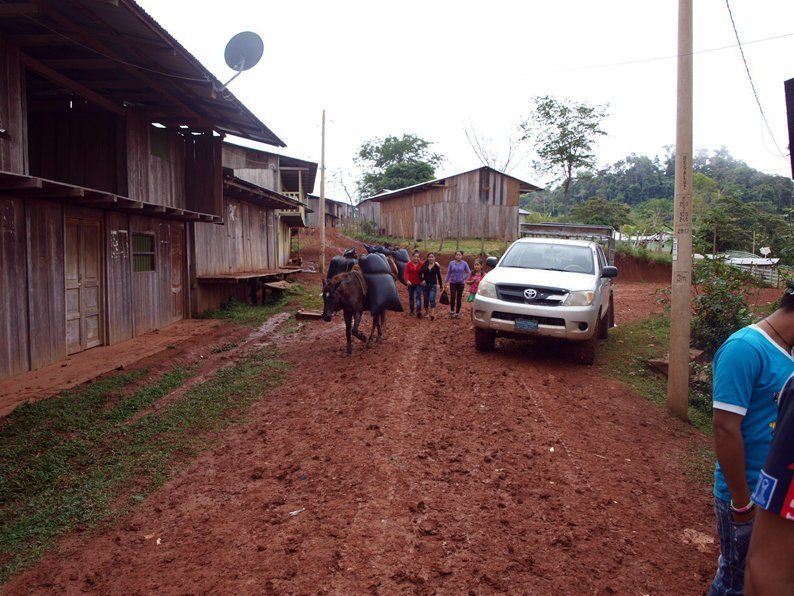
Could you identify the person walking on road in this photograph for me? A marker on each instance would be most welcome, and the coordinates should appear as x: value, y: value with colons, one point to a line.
x: 749, y: 369
x: 430, y: 275
x: 458, y: 272
x: 770, y: 560
x: 473, y: 283
x: 412, y: 270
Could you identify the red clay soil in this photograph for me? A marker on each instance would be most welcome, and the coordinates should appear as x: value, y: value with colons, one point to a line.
x: 182, y: 342
x: 418, y: 466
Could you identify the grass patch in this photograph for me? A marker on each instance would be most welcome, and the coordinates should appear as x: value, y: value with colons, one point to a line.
x: 67, y: 462
x: 246, y: 315
x: 625, y: 354
x: 250, y: 315
x: 305, y: 298
x: 469, y: 246
x: 643, y: 254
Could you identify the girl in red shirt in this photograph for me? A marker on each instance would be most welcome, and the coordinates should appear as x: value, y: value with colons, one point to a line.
x: 414, y: 281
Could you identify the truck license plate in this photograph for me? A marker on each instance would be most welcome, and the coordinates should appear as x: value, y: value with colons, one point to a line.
x: 526, y: 325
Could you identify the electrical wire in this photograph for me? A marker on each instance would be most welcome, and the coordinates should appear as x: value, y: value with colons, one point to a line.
x: 668, y: 57
x: 750, y: 78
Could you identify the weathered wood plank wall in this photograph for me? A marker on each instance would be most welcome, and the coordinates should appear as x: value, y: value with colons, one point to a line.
x: 158, y: 179
x: 118, y: 276
x: 471, y: 205
x: 46, y: 298
x: 13, y: 288
x: 252, y: 166
x: 243, y: 243
x: 77, y: 146
x: 13, y: 150
x: 152, y: 299
x: 204, y: 174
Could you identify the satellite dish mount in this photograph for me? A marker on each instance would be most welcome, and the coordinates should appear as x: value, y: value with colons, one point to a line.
x: 242, y: 53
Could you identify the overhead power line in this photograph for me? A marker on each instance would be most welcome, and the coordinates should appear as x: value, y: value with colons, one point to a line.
x: 667, y: 57
x: 750, y: 78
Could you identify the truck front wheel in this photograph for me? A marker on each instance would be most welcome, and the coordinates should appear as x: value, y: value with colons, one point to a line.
x: 484, y: 340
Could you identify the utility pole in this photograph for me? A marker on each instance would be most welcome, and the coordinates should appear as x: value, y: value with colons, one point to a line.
x: 680, y: 309
x: 321, y: 214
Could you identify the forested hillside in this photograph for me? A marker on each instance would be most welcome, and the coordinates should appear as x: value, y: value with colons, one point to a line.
x: 740, y: 201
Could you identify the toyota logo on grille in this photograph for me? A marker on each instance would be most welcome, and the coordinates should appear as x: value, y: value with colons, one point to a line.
x: 530, y: 293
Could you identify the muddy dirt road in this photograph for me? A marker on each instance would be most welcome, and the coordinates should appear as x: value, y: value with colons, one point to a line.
x: 422, y: 467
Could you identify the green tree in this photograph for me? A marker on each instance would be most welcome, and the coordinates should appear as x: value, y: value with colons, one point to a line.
x: 598, y: 211
x: 654, y: 214
x: 563, y: 133
x: 395, y: 162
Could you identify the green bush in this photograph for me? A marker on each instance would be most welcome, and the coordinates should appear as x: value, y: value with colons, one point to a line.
x: 720, y: 305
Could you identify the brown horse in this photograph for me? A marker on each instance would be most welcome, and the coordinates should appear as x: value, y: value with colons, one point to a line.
x: 348, y: 292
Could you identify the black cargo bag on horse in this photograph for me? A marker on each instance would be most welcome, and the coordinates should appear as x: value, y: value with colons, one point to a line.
x: 339, y: 264
x: 401, y: 258
x: 381, y: 289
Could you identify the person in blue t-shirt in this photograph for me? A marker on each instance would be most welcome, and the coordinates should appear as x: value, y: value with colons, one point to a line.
x: 770, y: 560
x: 749, y: 369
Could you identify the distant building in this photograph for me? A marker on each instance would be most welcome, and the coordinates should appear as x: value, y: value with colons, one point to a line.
x: 337, y: 213
x: 478, y: 203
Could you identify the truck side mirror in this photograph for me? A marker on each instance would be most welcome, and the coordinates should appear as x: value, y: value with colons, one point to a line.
x: 491, y: 262
x: 609, y: 271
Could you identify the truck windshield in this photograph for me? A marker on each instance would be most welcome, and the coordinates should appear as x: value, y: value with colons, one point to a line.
x: 550, y: 257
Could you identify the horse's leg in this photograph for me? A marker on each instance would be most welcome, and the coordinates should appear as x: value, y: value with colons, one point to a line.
x: 381, y: 323
x: 348, y: 321
x: 357, y: 322
x: 375, y: 322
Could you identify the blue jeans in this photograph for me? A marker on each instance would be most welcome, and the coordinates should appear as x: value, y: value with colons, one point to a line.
x: 414, y: 296
x: 430, y: 295
x: 734, y: 540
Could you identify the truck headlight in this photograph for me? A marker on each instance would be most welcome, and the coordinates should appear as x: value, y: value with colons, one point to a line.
x: 486, y: 289
x: 580, y: 298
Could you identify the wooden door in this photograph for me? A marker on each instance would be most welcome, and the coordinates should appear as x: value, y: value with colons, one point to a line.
x: 177, y: 272
x: 83, y: 276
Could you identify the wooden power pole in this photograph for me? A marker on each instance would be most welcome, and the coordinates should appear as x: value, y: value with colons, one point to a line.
x: 680, y: 309
x: 321, y: 214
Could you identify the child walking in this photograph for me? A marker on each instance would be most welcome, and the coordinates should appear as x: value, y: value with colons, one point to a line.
x: 474, y: 282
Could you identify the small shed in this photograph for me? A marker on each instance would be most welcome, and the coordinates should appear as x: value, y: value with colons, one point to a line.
x: 480, y: 203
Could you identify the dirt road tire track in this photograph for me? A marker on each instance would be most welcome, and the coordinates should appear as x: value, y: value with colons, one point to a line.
x: 418, y: 466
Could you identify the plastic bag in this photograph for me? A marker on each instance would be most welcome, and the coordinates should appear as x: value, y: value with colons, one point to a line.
x: 339, y: 264
x: 382, y: 293
x: 374, y: 263
x: 444, y: 298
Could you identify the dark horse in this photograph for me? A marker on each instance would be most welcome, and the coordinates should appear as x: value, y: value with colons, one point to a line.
x: 348, y: 292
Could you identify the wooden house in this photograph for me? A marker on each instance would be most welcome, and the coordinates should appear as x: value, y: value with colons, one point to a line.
x: 337, y: 213
x: 252, y: 248
x: 474, y: 204
x: 110, y: 155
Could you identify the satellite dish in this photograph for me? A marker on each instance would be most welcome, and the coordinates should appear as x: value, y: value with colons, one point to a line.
x: 243, y: 52
x: 765, y: 250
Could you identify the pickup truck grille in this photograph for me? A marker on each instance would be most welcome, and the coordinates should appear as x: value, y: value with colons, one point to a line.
x: 508, y: 316
x: 544, y: 297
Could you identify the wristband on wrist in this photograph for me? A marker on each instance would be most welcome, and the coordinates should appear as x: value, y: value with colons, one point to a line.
x: 747, y: 508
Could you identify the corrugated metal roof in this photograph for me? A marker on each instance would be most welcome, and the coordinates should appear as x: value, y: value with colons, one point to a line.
x: 119, y: 52
x: 386, y: 195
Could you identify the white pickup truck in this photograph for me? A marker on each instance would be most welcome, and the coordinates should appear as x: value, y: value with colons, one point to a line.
x: 547, y: 286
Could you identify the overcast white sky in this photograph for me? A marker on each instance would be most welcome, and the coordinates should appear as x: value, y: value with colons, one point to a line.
x: 434, y: 67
